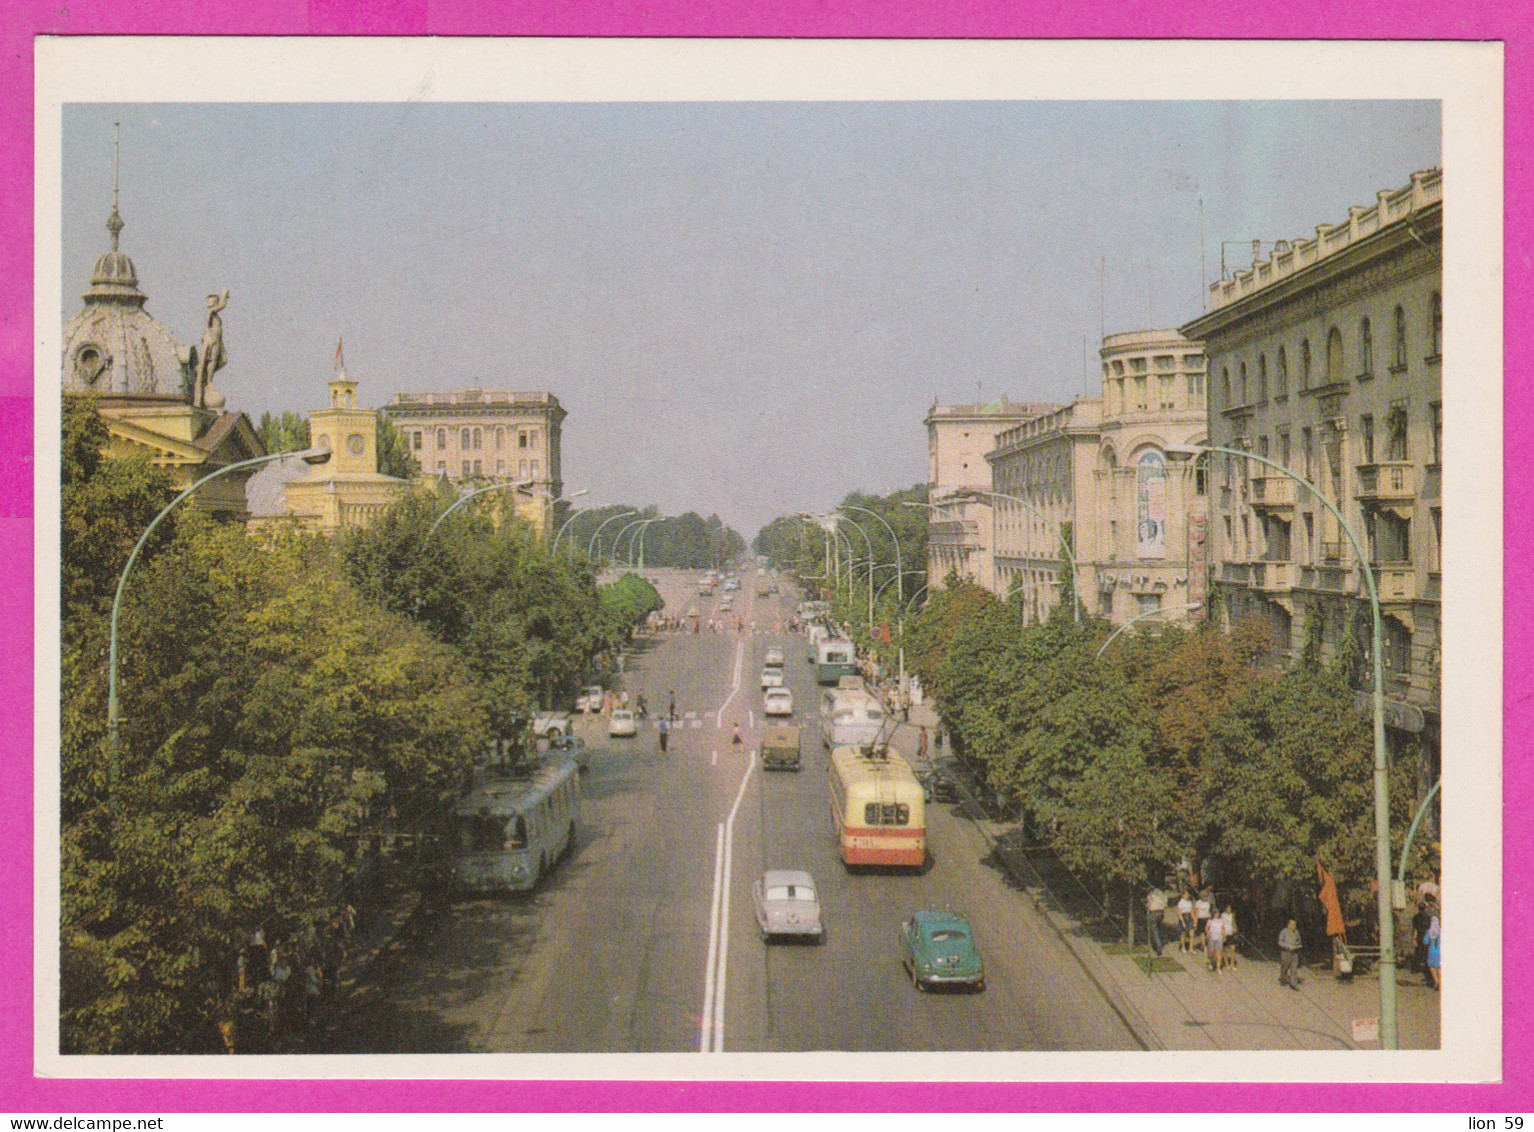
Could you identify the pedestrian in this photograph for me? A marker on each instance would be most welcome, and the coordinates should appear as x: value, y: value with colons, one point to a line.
x: 1214, y: 943
x: 1155, y: 913
x: 1432, y: 937
x: 1289, y: 957
x: 1185, y: 919
x: 735, y: 739
x: 1201, y: 911
x: 663, y: 730
x: 921, y: 744
x: 1228, y: 951
x: 1419, y: 926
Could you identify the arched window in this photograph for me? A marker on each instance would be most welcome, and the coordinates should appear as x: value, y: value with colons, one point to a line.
x: 1437, y: 338
x: 1334, y: 357
x: 1365, y: 348
x: 1262, y: 377
x: 1305, y: 364
x: 1281, y: 379
x: 1398, y: 353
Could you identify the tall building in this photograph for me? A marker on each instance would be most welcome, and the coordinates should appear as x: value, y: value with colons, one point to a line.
x: 1326, y: 358
x: 958, y: 437
x: 486, y: 435
x: 1096, y: 474
x: 155, y: 394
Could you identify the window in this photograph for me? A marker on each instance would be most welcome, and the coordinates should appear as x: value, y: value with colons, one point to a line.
x: 1262, y: 445
x: 1193, y: 397
x: 500, y: 467
x: 1281, y: 378
x: 521, y: 440
x: 1437, y: 327
x: 1304, y: 364
x: 441, y: 439
x: 477, y: 468
x: 415, y: 440
x: 1398, y: 351
x: 1246, y: 538
x: 535, y: 469
x: 1147, y: 603
x: 1244, y: 399
x: 1168, y: 398
x: 478, y: 440
x: 1276, y: 535
x: 1262, y: 377
x: 522, y: 469
x: 465, y: 469
x: 1366, y: 427
x: 1435, y: 411
x: 1397, y: 642
x: 500, y: 438
x: 1141, y: 394
x: 1283, y: 449
x: 465, y: 440
x: 1310, y: 537
x: 1224, y: 387
x: 1365, y: 349
x: 1334, y: 357
x: 533, y: 438
x: 1397, y: 424
x: 1307, y: 454
x: 442, y: 466
x: 1201, y: 474
x: 1391, y: 537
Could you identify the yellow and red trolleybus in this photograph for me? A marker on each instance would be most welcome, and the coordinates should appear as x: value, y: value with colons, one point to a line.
x: 876, y: 803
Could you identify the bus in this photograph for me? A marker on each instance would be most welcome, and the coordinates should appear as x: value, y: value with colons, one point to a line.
x: 876, y: 804
x: 509, y: 831
x: 849, y: 715
x: 834, y: 658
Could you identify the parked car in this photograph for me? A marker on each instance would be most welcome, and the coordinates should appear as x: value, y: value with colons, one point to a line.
x: 572, y: 746
x: 590, y: 698
x: 777, y: 701
x: 622, y: 724
x: 773, y: 657
x: 772, y: 678
x: 938, y: 949
x: 941, y: 788
x: 547, y: 723
x: 780, y: 748
x: 787, y: 905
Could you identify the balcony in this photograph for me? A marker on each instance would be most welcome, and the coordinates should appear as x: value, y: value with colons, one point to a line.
x: 1273, y: 577
x: 1236, y: 573
x: 1273, y: 492
x: 1396, y: 581
x: 1393, y: 482
x: 1333, y: 553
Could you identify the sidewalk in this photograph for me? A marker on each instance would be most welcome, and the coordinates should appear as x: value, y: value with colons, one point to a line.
x: 1175, y: 1002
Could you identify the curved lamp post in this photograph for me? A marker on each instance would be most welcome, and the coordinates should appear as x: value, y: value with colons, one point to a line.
x: 623, y: 530
x: 639, y: 538
x: 894, y: 542
x: 548, y: 504
x: 114, y: 736
x: 857, y: 526
x: 591, y: 551
x: 1070, y: 555
x: 1381, y: 768
x: 574, y: 511
x: 939, y: 507
x: 1141, y: 617
x: 462, y: 499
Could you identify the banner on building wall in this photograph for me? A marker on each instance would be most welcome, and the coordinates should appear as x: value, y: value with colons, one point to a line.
x: 1198, y: 561
x: 1150, y: 491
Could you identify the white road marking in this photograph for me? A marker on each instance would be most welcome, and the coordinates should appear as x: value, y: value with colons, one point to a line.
x: 740, y: 654
x: 697, y: 723
x: 715, y: 760
x: 723, y: 966
x: 713, y: 946
x: 691, y: 715
x: 750, y: 718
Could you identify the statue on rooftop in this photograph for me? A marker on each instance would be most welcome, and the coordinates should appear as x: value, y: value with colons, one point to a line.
x: 212, y: 358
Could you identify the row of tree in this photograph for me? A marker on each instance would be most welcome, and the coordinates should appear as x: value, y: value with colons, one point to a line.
x: 1188, y: 746
x: 289, y: 700
x: 684, y: 542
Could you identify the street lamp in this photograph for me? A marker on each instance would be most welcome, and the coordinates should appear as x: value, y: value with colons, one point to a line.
x: 1070, y: 555
x: 623, y: 530
x: 1381, y: 770
x: 939, y: 507
x: 899, y: 589
x: 591, y: 551
x: 574, y: 511
x: 464, y: 498
x: 312, y: 456
x: 639, y: 538
x: 1141, y: 617
x: 550, y: 503
x: 870, y: 542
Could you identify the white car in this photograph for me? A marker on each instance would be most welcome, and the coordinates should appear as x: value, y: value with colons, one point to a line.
x: 777, y: 701
x: 786, y: 905
x: 773, y: 658
x: 547, y: 723
x: 590, y: 699
x: 772, y: 678
x: 622, y: 725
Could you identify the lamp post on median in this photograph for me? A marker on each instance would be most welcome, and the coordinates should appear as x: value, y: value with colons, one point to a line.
x: 591, y: 551
x: 1388, y: 1038
x: 1141, y: 617
x: 894, y: 542
x: 312, y: 456
x: 464, y: 498
x: 1070, y: 555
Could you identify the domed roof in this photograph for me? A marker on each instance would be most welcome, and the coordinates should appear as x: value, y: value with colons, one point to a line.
x: 114, y: 346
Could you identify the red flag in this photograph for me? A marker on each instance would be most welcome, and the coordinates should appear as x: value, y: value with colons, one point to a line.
x: 883, y: 633
x: 339, y: 363
x: 1334, y: 924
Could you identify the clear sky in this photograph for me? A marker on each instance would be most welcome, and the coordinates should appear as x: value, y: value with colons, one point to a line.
x: 746, y: 308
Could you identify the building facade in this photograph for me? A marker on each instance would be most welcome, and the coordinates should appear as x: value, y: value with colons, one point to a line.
x: 155, y: 394
x: 1326, y: 359
x: 487, y: 435
x: 1096, y: 474
x: 958, y: 438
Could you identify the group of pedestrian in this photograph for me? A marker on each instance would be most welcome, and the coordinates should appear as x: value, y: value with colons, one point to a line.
x: 1427, y: 933
x: 1199, y: 923
x: 280, y: 987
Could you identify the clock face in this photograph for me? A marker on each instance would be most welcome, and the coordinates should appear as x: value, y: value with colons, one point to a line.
x: 355, y: 444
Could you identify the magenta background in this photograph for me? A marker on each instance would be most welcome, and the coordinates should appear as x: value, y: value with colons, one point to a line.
x: 1506, y: 20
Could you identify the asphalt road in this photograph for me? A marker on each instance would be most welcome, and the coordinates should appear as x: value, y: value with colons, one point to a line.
x: 622, y: 950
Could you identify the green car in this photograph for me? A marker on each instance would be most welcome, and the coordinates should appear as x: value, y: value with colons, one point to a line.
x: 938, y: 948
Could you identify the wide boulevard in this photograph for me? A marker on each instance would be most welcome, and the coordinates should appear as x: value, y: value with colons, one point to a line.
x: 643, y: 939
